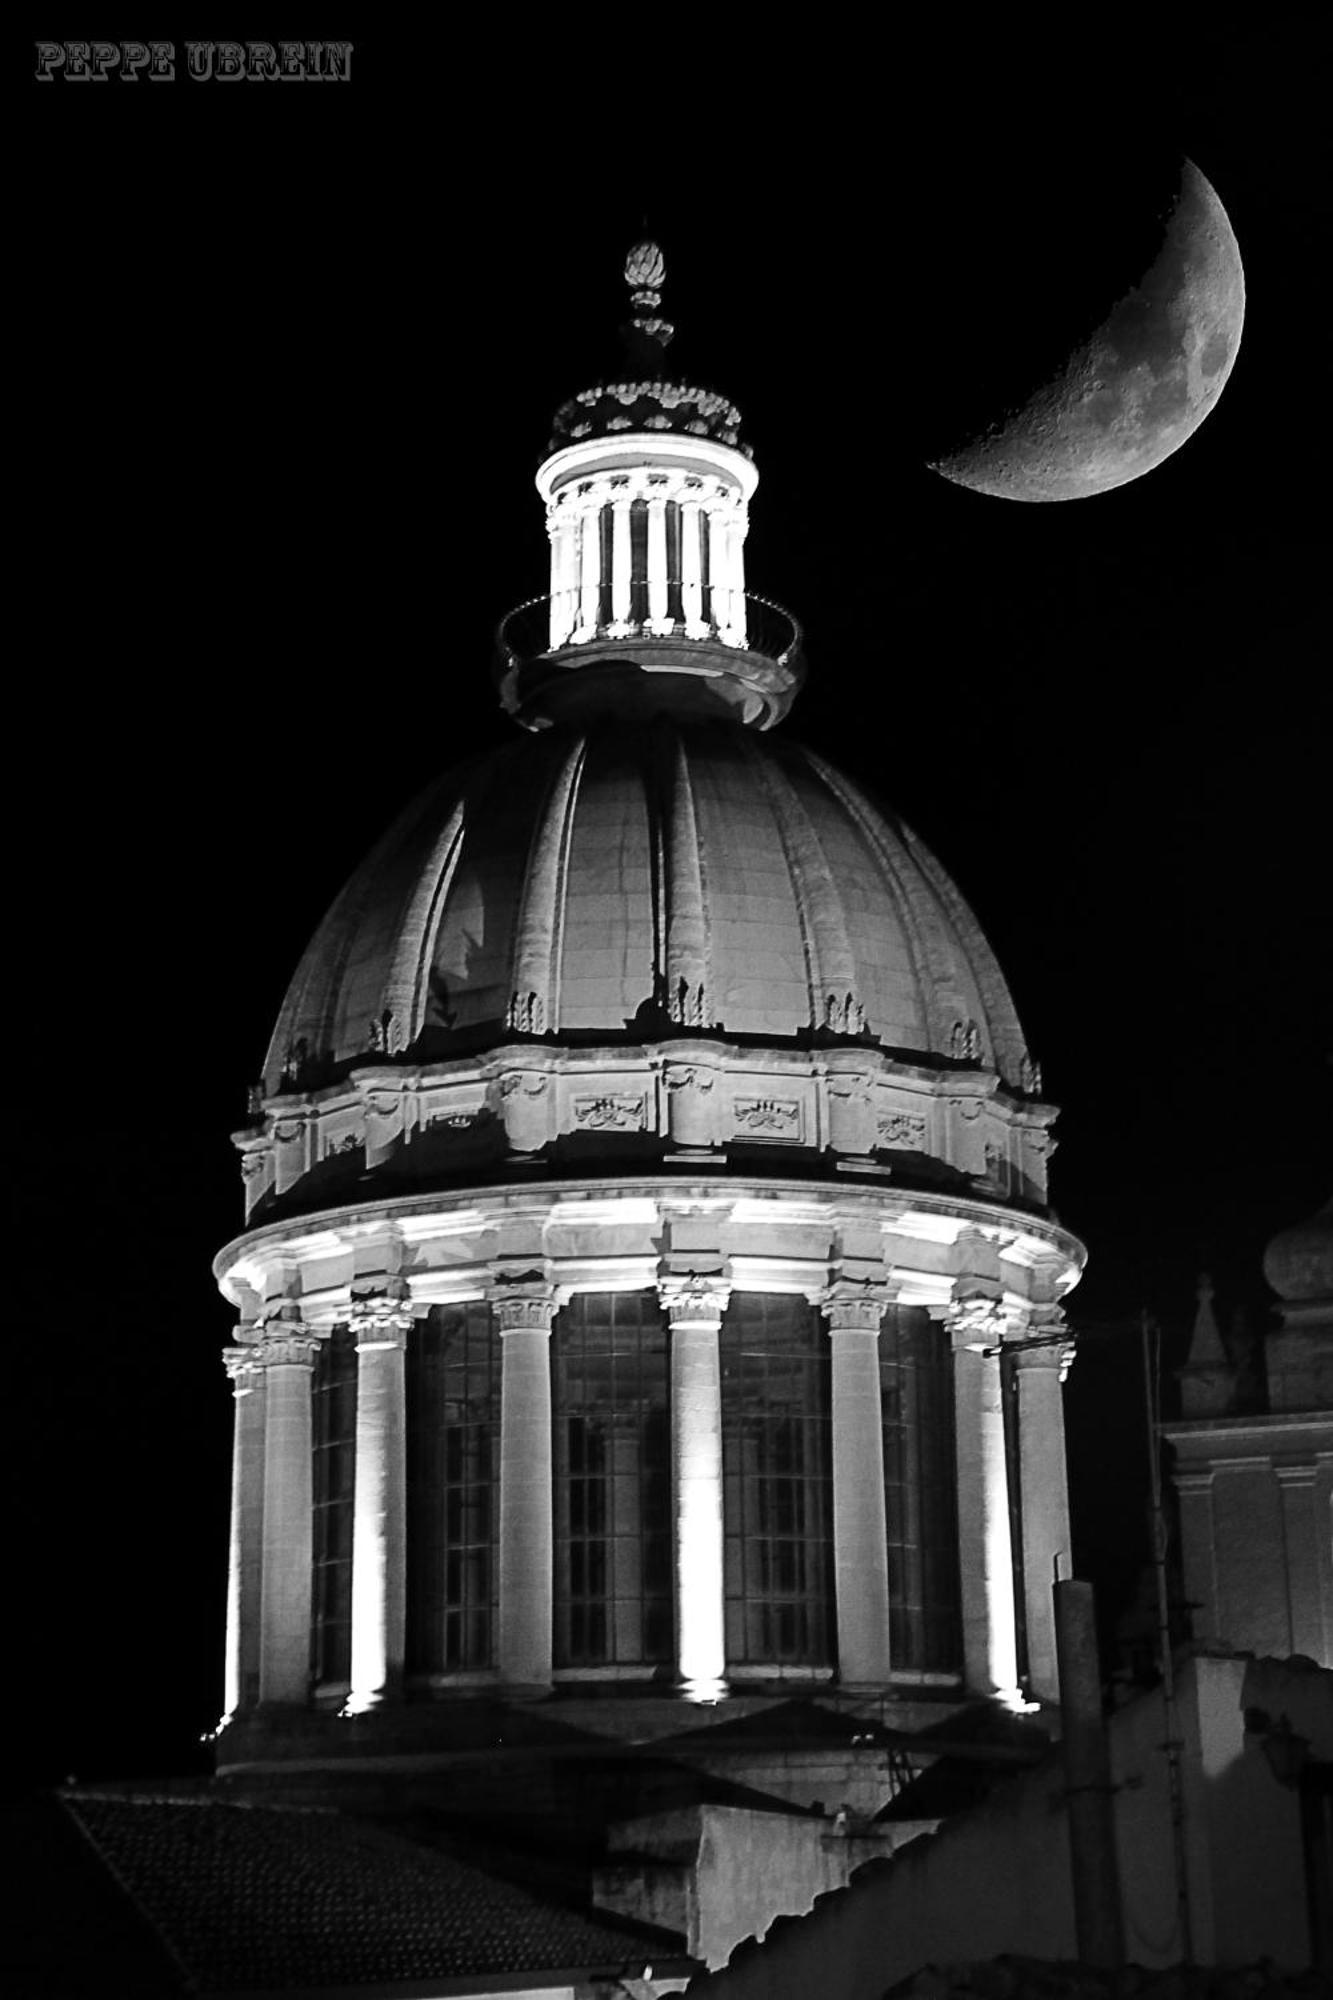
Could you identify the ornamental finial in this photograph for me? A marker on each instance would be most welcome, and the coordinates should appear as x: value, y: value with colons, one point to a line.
x: 645, y: 268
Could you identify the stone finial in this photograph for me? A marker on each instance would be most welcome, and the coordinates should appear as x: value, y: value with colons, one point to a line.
x: 645, y: 268
x: 648, y: 334
x: 1208, y: 1380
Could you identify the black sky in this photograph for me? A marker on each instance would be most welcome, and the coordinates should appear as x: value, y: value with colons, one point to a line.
x: 289, y: 358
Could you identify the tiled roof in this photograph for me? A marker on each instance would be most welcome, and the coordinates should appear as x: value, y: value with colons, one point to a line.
x: 253, y: 1898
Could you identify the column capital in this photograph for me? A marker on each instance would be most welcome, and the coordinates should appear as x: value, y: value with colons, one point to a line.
x: 522, y: 1305
x: 284, y: 1340
x: 855, y: 1305
x: 382, y: 1318
x: 1044, y: 1340
x: 978, y: 1322
x: 240, y: 1361
x: 690, y: 1299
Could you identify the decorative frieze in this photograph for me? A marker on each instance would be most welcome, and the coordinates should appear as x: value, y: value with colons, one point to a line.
x: 619, y: 1111
x: 768, y: 1117
x: 901, y: 1131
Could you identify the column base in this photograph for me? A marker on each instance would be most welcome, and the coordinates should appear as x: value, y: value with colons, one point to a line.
x: 704, y: 1692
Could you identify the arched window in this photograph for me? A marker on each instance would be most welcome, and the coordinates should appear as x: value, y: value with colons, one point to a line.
x: 777, y: 1481
x: 333, y: 1470
x: 612, y: 1484
x: 916, y: 1397
x: 453, y: 1473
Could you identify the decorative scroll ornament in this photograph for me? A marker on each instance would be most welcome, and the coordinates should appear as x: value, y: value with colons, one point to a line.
x: 530, y: 1085
x: 1029, y: 1076
x: 527, y: 1310
x: 965, y: 1041
x: 977, y: 1322
x: 779, y: 1115
x: 351, y: 1142
x: 694, y: 1298
x: 682, y: 1079
x: 252, y: 1163
x: 688, y: 1005
x: 382, y: 1036
x: 381, y: 1318
x: 855, y: 1306
x: 527, y: 1014
x: 619, y: 1112
x: 902, y: 1131
x: 844, y: 1014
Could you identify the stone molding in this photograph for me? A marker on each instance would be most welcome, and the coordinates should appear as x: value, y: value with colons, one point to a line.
x: 990, y: 1273
x: 524, y: 1309
x: 854, y: 1105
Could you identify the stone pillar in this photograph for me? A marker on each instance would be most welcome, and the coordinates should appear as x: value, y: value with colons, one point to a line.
x: 657, y: 565
x: 379, y: 1508
x: 287, y: 1356
x: 691, y: 570
x: 1043, y: 1495
x: 695, y: 1307
x: 590, y: 571
x: 621, y: 560
x: 563, y: 530
x: 860, y: 1543
x: 245, y: 1564
x: 990, y: 1648
x: 523, y: 1315
x: 1198, y: 1559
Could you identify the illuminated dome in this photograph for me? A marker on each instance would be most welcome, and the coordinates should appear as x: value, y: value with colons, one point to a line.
x: 646, y: 1178
x: 628, y: 882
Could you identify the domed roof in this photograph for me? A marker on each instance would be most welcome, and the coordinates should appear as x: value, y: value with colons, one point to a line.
x: 628, y: 880
x: 1298, y: 1262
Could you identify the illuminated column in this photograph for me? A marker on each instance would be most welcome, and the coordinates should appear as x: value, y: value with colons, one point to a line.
x: 1043, y: 1491
x: 860, y: 1543
x: 245, y: 1564
x: 657, y: 564
x: 287, y: 1356
x: 990, y: 1646
x: 564, y: 533
x: 695, y: 1307
x: 718, y: 574
x: 620, y: 560
x: 691, y: 569
x: 732, y: 627
x: 524, y: 1315
x: 626, y: 1566
x: 379, y: 1510
x: 590, y: 570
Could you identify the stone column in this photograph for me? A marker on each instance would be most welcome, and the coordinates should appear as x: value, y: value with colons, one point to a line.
x: 1043, y: 1494
x: 1198, y: 1556
x: 590, y: 570
x: 621, y: 560
x: 379, y: 1508
x: 860, y: 1543
x: 523, y: 1315
x: 244, y: 1568
x: 657, y: 565
x: 990, y: 1647
x: 695, y: 1307
x: 287, y: 1355
x: 691, y: 570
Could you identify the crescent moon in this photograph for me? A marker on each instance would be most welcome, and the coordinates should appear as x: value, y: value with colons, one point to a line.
x: 1133, y: 392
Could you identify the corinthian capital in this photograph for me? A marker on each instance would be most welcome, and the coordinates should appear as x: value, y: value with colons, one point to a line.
x: 978, y: 1322
x: 693, y: 1299
x: 524, y: 1308
x: 381, y: 1318
x: 853, y: 1305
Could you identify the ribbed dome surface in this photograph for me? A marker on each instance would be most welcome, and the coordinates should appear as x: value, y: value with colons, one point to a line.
x: 628, y: 881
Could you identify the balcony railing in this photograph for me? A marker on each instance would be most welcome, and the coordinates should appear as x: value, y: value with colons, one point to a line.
x: 560, y: 623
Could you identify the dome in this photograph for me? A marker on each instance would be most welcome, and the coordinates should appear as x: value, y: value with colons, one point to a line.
x: 623, y: 882
x: 1298, y: 1262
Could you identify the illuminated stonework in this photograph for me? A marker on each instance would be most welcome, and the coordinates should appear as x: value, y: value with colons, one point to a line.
x: 647, y: 1240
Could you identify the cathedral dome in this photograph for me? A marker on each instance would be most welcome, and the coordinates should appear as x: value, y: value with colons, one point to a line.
x: 630, y: 883
x: 1298, y: 1262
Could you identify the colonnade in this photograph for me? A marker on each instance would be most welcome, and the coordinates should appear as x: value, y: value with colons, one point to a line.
x: 270, y: 1596
x: 689, y: 563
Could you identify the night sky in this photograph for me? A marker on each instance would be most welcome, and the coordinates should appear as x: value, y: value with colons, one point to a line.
x: 290, y: 356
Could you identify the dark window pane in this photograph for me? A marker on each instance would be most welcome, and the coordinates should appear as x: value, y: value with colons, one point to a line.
x: 612, y: 1483
x: 453, y: 1463
x: 333, y: 1473
x: 777, y: 1482
x: 916, y: 1400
